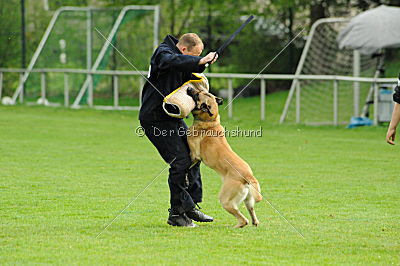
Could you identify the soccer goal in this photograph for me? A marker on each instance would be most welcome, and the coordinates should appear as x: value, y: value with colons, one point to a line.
x: 316, y: 102
x: 75, y: 39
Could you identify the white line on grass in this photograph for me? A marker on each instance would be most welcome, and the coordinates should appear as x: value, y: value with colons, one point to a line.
x: 134, y: 199
x: 273, y: 59
x: 267, y: 201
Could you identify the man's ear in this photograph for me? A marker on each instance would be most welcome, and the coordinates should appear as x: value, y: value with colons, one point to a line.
x: 219, y: 100
x: 193, y: 93
x: 184, y: 50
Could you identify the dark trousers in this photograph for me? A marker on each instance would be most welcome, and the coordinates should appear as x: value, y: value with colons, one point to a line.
x: 169, y: 137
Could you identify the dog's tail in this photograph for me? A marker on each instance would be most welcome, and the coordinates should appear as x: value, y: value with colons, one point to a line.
x: 255, y: 190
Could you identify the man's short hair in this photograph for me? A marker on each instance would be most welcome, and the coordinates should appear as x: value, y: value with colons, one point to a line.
x: 190, y: 40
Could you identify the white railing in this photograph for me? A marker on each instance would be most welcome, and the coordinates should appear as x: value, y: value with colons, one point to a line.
x: 228, y: 76
x: 89, y: 41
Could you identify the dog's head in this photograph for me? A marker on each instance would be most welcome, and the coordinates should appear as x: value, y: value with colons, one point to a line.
x: 206, y: 104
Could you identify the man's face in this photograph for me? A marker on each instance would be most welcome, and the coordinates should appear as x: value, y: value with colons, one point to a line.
x: 196, y: 50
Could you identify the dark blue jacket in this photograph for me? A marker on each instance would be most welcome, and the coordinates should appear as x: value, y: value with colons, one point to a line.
x: 396, y: 95
x: 169, y: 69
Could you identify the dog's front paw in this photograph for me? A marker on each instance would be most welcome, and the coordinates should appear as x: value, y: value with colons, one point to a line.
x: 256, y: 223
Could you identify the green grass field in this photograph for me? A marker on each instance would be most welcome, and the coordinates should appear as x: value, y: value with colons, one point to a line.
x: 65, y: 174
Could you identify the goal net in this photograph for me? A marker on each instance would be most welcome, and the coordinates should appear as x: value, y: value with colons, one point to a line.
x: 312, y: 101
x: 74, y: 41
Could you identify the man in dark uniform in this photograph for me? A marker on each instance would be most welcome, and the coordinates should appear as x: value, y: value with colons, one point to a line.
x: 391, y: 133
x: 172, y: 64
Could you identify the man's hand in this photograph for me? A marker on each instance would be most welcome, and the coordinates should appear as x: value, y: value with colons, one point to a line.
x: 208, y: 58
x: 391, y: 135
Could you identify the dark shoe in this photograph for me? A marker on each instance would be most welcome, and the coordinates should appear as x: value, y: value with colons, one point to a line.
x: 179, y: 219
x: 198, y: 216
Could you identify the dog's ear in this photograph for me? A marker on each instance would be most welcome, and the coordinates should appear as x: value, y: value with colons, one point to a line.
x: 192, y: 92
x: 219, y: 100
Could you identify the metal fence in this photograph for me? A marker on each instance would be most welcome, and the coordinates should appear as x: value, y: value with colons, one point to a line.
x: 89, y: 41
x: 262, y: 78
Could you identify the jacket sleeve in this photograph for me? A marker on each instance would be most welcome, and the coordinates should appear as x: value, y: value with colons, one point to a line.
x: 179, y: 62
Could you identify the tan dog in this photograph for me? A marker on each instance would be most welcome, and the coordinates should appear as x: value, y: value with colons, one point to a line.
x: 207, y: 142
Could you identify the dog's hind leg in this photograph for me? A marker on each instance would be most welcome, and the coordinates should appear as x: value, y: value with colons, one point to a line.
x: 231, y: 195
x: 249, y: 202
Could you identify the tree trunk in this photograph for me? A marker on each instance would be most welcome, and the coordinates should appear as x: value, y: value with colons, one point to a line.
x: 209, y: 28
x: 317, y: 10
x: 23, y: 35
x: 394, y: 3
x: 291, y: 35
x: 172, y: 29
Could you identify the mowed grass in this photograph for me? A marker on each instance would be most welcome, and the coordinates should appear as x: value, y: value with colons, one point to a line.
x: 65, y: 174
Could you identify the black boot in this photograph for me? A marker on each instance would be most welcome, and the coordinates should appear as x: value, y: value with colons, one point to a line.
x: 176, y: 218
x: 198, y: 216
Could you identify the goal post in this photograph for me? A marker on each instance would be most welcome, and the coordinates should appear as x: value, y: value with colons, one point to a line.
x: 88, y: 83
x: 70, y: 41
x: 312, y: 101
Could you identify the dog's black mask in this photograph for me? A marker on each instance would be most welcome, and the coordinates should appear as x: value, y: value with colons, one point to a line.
x: 206, y: 109
x: 193, y: 93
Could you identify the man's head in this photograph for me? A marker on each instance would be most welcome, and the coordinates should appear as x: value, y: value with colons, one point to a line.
x: 190, y: 44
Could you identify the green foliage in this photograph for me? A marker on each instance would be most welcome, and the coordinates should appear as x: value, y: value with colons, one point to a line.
x: 10, y: 40
x: 55, y: 4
